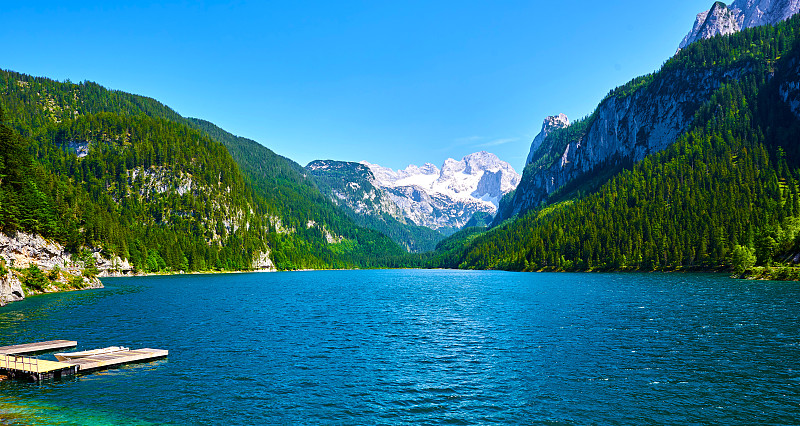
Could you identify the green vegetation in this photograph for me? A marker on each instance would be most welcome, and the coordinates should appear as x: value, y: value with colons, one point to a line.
x: 33, y: 279
x: 354, y: 182
x: 297, y: 200
x: 631, y: 87
x: 725, y: 195
x: 166, y: 192
x: 742, y: 258
x: 179, y: 194
x: 479, y: 219
x: 753, y: 51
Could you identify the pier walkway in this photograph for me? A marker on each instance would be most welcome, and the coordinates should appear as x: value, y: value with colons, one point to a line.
x: 15, y: 365
x: 24, y: 367
x: 32, y: 348
x: 115, y: 359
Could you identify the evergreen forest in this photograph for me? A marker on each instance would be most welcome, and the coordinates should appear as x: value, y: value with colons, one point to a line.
x: 724, y: 196
x: 96, y: 168
x: 91, y: 167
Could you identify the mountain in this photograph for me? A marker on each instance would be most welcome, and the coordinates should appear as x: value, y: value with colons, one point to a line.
x: 550, y: 125
x: 306, y: 215
x: 640, y: 118
x: 126, y: 176
x: 741, y: 14
x: 695, y: 166
x: 633, y: 121
x: 445, y: 199
x: 351, y: 186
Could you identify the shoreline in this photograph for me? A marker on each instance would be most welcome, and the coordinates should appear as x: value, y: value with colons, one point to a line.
x: 783, y: 273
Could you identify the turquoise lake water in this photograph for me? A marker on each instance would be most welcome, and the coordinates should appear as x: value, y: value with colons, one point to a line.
x: 421, y: 347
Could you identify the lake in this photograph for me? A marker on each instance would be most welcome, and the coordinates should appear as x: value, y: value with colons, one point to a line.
x: 422, y: 347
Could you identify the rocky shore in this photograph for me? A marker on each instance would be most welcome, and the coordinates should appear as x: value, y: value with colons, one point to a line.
x: 24, y: 255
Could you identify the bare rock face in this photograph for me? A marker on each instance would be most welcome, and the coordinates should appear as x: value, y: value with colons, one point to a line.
x: 554, y: 122
x: 10, y: 288
x: 447, y: 198
x: 623, y: 130
x: 262, y: 262
x: 491, y: 182
x: 719, y: 20
x: 741, y: 14
x: 23, y: 250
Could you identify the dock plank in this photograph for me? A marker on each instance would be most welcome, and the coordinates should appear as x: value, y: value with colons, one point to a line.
x: 116, y: 359
x: 29, y: 348
x: 32, y: 365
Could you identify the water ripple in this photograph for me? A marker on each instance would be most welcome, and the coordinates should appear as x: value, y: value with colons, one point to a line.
x: 421, y: 347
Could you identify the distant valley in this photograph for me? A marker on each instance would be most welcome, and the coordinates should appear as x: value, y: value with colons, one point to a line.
x: 693, y: 166
x: 460, y: 193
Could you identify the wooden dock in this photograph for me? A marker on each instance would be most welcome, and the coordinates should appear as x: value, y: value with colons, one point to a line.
x: 34, y: 369
x: 16, y: 366
x: 38, y: 347
x: 116, y: 359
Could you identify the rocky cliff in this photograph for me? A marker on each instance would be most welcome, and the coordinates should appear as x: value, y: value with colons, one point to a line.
x: 642, y: 117
x: 723, y: 20
x: 65, y: 271
x: 353, y: 187
x: 624, y: 128
x: 10, y: 288
x: 445, y: 199
x: 551, y: 124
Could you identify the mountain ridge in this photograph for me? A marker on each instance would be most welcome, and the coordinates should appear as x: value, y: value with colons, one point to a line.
x: 625, y: 127
x: 722, y: 19
x: 128, y: 174
x: 447, y: 198
x: 352, y: 186
x: 724, y: 195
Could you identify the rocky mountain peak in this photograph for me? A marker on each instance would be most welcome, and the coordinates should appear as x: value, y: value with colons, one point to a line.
x: 425, y: 169
x: 482, y: 161
x: 761, y: 12
x: 741, y: 14
x: 428, y: 169
x: 551, y: 123
x: 448, y: 197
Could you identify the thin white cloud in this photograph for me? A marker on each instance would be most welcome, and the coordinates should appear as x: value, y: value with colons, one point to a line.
x: 501, y: 141
x: 459, y: 142
x: 468, y: 139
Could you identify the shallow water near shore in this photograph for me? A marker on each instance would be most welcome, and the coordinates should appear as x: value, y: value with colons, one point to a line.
x: 420, y: 346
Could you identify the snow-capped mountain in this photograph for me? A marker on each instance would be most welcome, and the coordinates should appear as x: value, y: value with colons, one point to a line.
x: 351, y: 186
x: 741, y: 14
x: 448, y: 197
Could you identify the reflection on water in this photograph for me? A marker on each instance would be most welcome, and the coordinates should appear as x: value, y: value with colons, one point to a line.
x: 417, y: 347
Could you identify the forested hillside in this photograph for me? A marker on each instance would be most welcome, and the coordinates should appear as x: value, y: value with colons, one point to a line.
x: 302, y: 208
x: 351, y: 186
x: 92, y: 167
x: 640, y: 118
x: 725, y: 194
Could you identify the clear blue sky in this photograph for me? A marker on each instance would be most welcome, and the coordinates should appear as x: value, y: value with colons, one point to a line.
x: 390, y: 82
